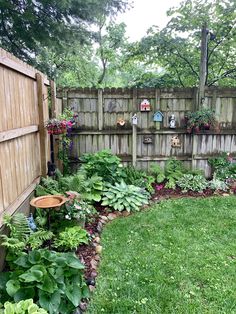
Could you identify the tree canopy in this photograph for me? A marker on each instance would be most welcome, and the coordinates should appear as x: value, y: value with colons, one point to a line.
x: 28, y: 26
x: 176, y: 48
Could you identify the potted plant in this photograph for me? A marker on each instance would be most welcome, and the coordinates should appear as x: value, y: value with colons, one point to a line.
x: 203, y: 119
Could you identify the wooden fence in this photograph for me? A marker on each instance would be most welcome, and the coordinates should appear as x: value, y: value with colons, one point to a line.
x: 99, y: 111
x: 24, y: 146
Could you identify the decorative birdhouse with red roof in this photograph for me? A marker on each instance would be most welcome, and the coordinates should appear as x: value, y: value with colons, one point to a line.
x: 145, y: 105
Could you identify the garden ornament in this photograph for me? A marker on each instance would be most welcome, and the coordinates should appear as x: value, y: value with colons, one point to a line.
x: 172, y: 122
x: 121, y: 122
x: 145, y: 105
x: 175, y: 141
x: 31, y: 222
x: 135, y: 119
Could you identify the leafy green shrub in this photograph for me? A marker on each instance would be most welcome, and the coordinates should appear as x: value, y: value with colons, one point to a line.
x: 174, y: 169
x: 217, y: 184
x: 196, y: 183
x: 124, y: 197
x: 54, y: 280
x: 138, y: 178
x: 71, y: 238
x: 103, y: 164
x: 219, y: 162
x: 222, y: 167
x: 22, y: 307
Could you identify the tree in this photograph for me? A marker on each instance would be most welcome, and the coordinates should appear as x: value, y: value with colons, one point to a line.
x: 27, y: 26
x: 176, y: 48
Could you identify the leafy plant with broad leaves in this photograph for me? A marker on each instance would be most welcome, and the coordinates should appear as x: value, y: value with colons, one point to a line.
x: 54, y: 280
x: 124, y: 197
x: 71, y: 238
x: 22, y: 307
x: 217, y: 184
x: 173, y: 170
x: 196, y: 183
x: 103, y: 164
x: 138, y: 178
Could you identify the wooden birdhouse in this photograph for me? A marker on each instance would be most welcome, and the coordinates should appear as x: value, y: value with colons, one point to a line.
x: 158, y: 116
x: 175, y: 142
x: 135, y: 119
x: 145, y: 105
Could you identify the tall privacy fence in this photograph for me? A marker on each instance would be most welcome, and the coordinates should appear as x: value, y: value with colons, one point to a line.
x: 24, y: 146
x: 100, y: 110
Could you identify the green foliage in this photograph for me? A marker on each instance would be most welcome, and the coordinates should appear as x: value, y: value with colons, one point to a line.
x: 47, y: 186
x: 217, y: 184
x: 71, y: 238
x: 201, y: 118
x: 222, y: 167
x: 174, y: 169
x: 21, y: 237
x: 104, y: 164
x: 124, y: 197
x: 22, y: 307
x: 53, y: 280
x: 196, y: 183
x: 29, y: 26
x: 219, y: 162
x: 175, y: 48
x: 138, y: 178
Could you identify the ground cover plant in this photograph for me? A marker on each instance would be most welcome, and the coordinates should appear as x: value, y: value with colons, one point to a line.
x: 177, y: 257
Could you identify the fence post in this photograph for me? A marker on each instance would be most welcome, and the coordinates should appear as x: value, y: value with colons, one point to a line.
x: 134, y: 130
x: 100, y: 109
x: 53, y: 98
x: 194, y: 150
x: 157, y: 106
x: 42, y: 130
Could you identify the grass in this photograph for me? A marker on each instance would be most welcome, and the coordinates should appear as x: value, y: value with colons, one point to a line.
x: 177, y: 257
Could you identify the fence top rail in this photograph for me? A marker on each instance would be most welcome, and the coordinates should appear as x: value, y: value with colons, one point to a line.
x: 10, y: 61
x: 151, y: 92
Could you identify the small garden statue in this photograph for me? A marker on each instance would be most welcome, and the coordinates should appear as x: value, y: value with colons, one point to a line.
x: 172, y: 122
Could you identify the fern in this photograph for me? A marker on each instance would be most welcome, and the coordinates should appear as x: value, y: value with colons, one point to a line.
x: 18, y: 225
x: 36, y: 239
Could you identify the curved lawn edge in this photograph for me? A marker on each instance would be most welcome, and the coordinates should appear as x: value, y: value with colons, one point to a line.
x: 176, y: 257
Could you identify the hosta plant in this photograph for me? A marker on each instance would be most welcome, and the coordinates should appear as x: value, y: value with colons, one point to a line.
x: 121, y: 196
x: 217, y: 184
x: 196, y: 183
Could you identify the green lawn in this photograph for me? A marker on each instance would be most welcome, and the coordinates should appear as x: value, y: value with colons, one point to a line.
x: 177, y: 257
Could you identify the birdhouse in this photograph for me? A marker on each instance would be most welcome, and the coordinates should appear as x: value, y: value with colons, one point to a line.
x: 175, y: 142
x: 135, y: 119
x: 120, y: 122
x: 158, y: 116
x: 172, y: 122
x: 145, y: 105
x: 147, y: 139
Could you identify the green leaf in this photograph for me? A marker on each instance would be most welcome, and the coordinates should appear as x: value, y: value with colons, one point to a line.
x: 48, y: 284
x: 24, y: 293
x: 73, y: 261
x: 12, y: 287
x: 74, y: 294
x: 34, y: 257
x: 32, y: 275
x: 50, y: 302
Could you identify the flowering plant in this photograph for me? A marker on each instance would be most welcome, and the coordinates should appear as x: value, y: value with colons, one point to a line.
x: 76, y: 208
x: 62, y: 124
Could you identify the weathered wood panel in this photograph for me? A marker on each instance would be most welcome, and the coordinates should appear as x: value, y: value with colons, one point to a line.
x: 123, y: 103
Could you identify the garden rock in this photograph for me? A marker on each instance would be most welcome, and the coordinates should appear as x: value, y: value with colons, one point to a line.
x: 99, y: 227
x: 97, y: 258
x: 98, y: 249
x: 94, y: 274
x: 111, y: 216
x: 93, y: 264
x: 91, y: 288
x: 97, y: 239
x: 104, y: 218
x: 83, y: 306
